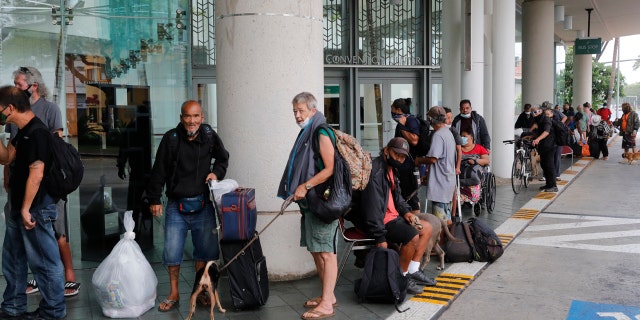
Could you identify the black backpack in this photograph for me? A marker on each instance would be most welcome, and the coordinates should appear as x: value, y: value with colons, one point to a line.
x: 560, y: 133
x: 382, y: 280
x: 66, y: 169
x: 424, y: 139
x: 487, y: 245
x: 460, y: 251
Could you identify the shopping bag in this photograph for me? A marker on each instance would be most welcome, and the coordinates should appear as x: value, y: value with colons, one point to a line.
x: 124, y: 283
x: 220, y: 187
x: 585, y: 150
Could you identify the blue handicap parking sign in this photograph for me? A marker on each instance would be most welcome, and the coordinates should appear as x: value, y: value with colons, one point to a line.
x: 583, y: 310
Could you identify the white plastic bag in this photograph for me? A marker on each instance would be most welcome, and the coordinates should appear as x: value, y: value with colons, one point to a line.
x: 125, y: 284
x: 221, y: 187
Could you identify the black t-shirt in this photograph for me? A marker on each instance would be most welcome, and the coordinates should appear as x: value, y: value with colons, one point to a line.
x: 32, y: 143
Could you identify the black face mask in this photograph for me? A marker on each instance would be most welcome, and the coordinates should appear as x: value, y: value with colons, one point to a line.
x: 26, y: 91
x: 393, y: 162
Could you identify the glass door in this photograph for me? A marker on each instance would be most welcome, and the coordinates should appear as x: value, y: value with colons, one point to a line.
x: 375, y: 98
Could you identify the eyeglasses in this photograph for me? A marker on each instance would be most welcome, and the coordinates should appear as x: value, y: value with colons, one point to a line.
x: 25, y: 70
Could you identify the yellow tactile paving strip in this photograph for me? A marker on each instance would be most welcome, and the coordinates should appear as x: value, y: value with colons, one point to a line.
x: 526, y: 214
x: 562, y: 182
x: 574, y: 172
x: 546, y: 195
x: 505, y: 238
x: 447, y: 288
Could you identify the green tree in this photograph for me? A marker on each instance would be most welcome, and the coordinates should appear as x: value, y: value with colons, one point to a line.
x: 599, y: 80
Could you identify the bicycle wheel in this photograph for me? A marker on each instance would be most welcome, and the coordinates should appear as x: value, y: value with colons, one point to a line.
x: 516, y: 173
x: 528, y: 169
x: 491, y: 193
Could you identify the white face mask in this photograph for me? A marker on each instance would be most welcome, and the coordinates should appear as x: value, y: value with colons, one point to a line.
x: 304, y: 123
x: 528, y: 112
x: 466, y: 116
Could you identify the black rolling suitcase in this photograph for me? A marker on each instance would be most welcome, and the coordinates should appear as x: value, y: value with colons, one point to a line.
x: 248, y: 280
x: 246, y: 265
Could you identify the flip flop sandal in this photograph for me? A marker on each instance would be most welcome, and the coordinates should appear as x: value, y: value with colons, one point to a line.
x: 312, y: 303
x: 171, y: 304
x: 32, y: 286
x: 71, y: 289
x: 315, y: 314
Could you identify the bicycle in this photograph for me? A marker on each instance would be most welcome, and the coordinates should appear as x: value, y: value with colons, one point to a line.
x: 522, y: 166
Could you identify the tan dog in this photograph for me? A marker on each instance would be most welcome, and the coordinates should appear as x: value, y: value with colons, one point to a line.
x: 206, y: 280
x: 438, y: 226
x: 535, y: 161
x: 630, y: 156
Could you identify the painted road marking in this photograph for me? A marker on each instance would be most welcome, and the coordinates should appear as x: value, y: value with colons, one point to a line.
x: 582, y: 240
x: 583, y: 310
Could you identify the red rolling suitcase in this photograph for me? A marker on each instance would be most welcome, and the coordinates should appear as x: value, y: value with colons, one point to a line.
x: 239, y: 214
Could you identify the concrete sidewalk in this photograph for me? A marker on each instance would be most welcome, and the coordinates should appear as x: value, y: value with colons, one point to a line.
x: 581, y: 249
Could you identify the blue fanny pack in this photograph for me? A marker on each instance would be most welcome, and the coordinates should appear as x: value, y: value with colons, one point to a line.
x: 191, y: 205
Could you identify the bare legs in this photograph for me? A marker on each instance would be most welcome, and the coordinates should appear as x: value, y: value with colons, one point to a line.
x: 327, y: 267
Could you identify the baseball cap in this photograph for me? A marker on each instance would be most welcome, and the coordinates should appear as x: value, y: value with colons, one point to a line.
x: 399, y: 145
x: 436, y: 112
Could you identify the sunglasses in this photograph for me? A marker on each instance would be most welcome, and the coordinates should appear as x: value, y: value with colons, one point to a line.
x: 25, y: 70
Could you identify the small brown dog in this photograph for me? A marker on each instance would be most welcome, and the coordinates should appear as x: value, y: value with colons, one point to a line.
x: 206, y: 280
x: 535, y: 160
x: 630, y: 156
x: 438, y: 226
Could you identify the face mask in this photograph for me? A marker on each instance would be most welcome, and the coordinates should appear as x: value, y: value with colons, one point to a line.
x: 396, y: 116
x: 464, y: 140
x: 466, y: 116
x: 392, y: 162
x: 304, y: 123
x: 527, y: 113
x: 26, y: 91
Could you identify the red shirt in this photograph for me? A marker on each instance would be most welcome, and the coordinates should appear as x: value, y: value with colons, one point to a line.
x: 477, y: 149
x: 391, y: 212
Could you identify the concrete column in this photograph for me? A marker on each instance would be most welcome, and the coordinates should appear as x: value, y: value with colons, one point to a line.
x: 538, y: 66
x: 473, y: 80
x: 452, y: 41
x: 503, y: 89
x: 582, y: 79
x: 267, y: 52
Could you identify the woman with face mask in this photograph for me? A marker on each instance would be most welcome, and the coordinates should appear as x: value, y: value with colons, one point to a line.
x: 472, y: 154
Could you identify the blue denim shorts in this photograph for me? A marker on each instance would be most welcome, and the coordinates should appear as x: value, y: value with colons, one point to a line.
x: 204, y: 234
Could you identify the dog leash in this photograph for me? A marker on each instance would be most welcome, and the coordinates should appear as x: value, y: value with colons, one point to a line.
x: 285, y: 204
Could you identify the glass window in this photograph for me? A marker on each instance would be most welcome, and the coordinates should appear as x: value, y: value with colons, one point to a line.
x: 117, y: 69
x: 389, y: 32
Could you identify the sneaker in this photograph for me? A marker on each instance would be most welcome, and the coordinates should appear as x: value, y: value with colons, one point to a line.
x: 413, y: 287
x: 541, y: 179
x: 543, y: 187
x: 558, y: 179
x: 421, y: 278
x: 605, y: 158
x: 32, y: 286
x: 554, y: 189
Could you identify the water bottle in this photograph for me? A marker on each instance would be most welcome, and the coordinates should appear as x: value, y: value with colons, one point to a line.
x: 416, y: 174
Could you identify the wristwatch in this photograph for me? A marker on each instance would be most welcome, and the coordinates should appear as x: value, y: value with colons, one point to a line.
x: 308, y: 186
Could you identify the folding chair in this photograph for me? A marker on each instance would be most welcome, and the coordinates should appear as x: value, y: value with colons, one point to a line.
x: 356, y: 240
x: 566, y: 150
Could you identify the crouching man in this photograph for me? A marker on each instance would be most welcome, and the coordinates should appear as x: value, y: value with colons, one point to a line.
x: 385, y: 216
